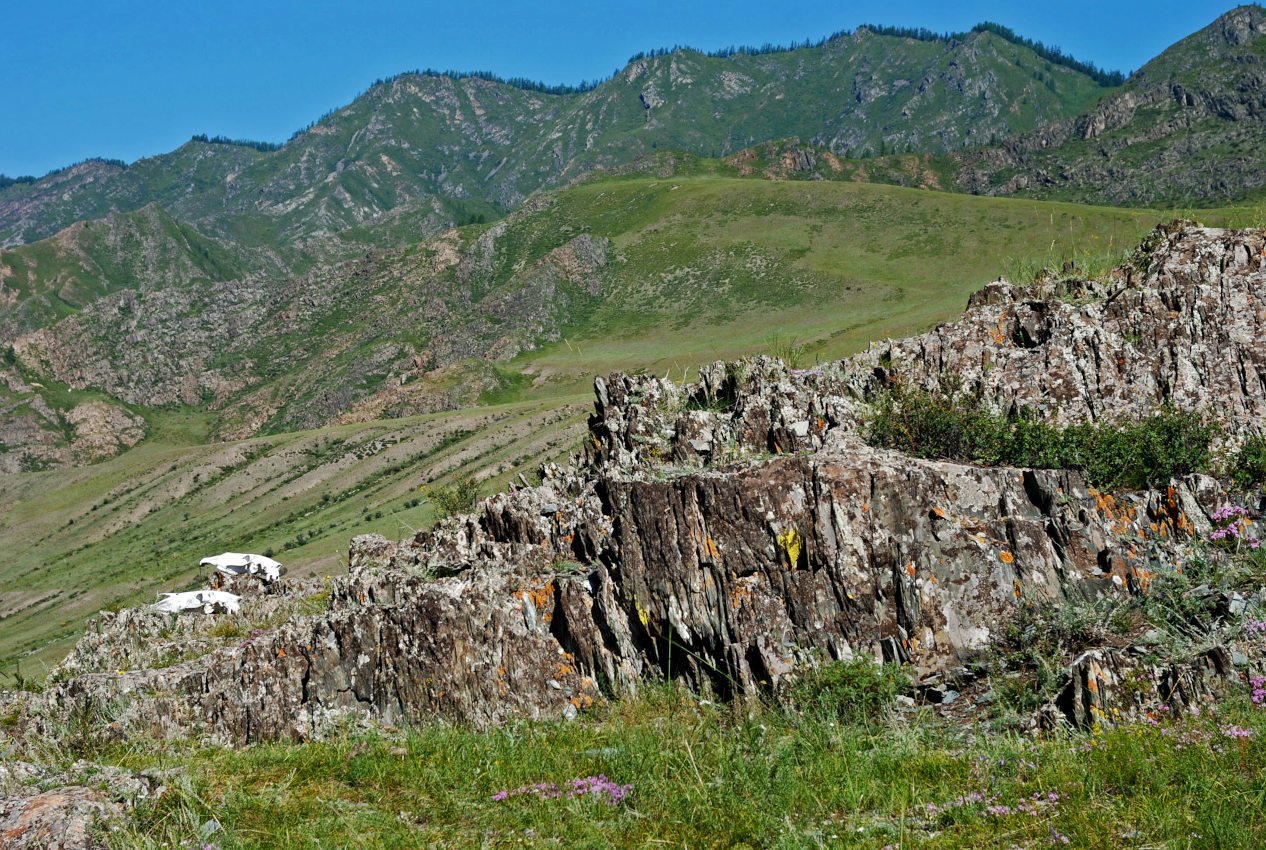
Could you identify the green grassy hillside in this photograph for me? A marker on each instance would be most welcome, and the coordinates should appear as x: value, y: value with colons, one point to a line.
x: 115, y: 533
x: 657, y: 270
x: 706, y: 267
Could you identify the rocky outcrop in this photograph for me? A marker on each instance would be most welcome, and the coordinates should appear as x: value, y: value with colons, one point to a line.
x: 34, y: 435
x: 64, y: 818
x: 725, y: 533
x: 1184, y: 324
x: 42, y: 808
x: 102, y: 430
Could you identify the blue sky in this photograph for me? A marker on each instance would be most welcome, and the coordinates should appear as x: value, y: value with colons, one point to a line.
x: 132, y: 78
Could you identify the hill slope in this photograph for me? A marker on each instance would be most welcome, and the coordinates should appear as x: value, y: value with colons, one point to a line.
x: 635, y: 270
x: 1188, y: 127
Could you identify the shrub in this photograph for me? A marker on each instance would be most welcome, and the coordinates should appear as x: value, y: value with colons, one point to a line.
x: 856, y: 691
x: 954, y: 424
x: 459, y: 496
x: 1167, y: 444
x: 1248, y: 465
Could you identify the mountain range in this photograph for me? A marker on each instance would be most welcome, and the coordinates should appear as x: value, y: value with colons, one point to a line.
x: 378, y: 262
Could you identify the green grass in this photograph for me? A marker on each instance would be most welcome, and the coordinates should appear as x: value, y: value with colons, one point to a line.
x: 710, y: 267
x: 738, y: 775
x: 115, y: 533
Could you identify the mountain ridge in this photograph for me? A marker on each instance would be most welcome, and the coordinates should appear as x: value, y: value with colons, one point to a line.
x: 1185, y: 128
x: 706, y: 105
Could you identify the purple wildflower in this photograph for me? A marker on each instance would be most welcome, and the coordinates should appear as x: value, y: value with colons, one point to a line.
x: 599, y: 787
x: 1258, y: 683
x: 1237, y: 732
x: 1233, y: 522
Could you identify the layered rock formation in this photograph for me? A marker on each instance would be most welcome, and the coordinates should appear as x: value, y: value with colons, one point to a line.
x: 1182, y: 324
x: 726, y: 533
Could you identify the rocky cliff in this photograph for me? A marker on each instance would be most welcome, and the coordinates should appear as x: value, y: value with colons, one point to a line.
x: 727, y: 532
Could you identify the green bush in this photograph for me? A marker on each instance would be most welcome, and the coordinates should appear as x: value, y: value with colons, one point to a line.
x: 1167, y: 444
x: 459, y: 496
x: 1032, y: 649
x: 856, y: 691
x: 1248, y: 465
x: 954, y: 424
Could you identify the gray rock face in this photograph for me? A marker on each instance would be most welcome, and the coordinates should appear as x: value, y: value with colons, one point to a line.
x: 61, y: 819
x: 68, y: 810
x: 35, y: 436
x: 1183, y: 326
x: 724, y: 533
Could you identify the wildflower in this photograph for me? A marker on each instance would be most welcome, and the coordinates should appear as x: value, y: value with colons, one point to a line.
x: 599, y: 787
x: 1237, y: 732
x: 1258, y: 684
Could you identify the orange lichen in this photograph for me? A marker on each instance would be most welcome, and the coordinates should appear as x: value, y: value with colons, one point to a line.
x: 539, y: 591
x: 1006, y: 557
x: 998, y: 336
x: 740, y: 594
x: 711, y: 547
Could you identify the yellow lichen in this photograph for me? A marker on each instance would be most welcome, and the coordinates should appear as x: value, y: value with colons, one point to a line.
x: 792, y: 543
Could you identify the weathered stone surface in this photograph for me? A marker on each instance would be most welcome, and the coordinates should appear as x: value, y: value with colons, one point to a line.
x: 61, y: 819
x: 1111, y: 686
x: 42, y: 808
x: 33, y: 435
x: 102, y: 430
x: 1186, y: 330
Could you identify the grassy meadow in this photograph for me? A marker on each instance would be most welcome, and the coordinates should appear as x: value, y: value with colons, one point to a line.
x: 710, y: 267
x: 667, y: 769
